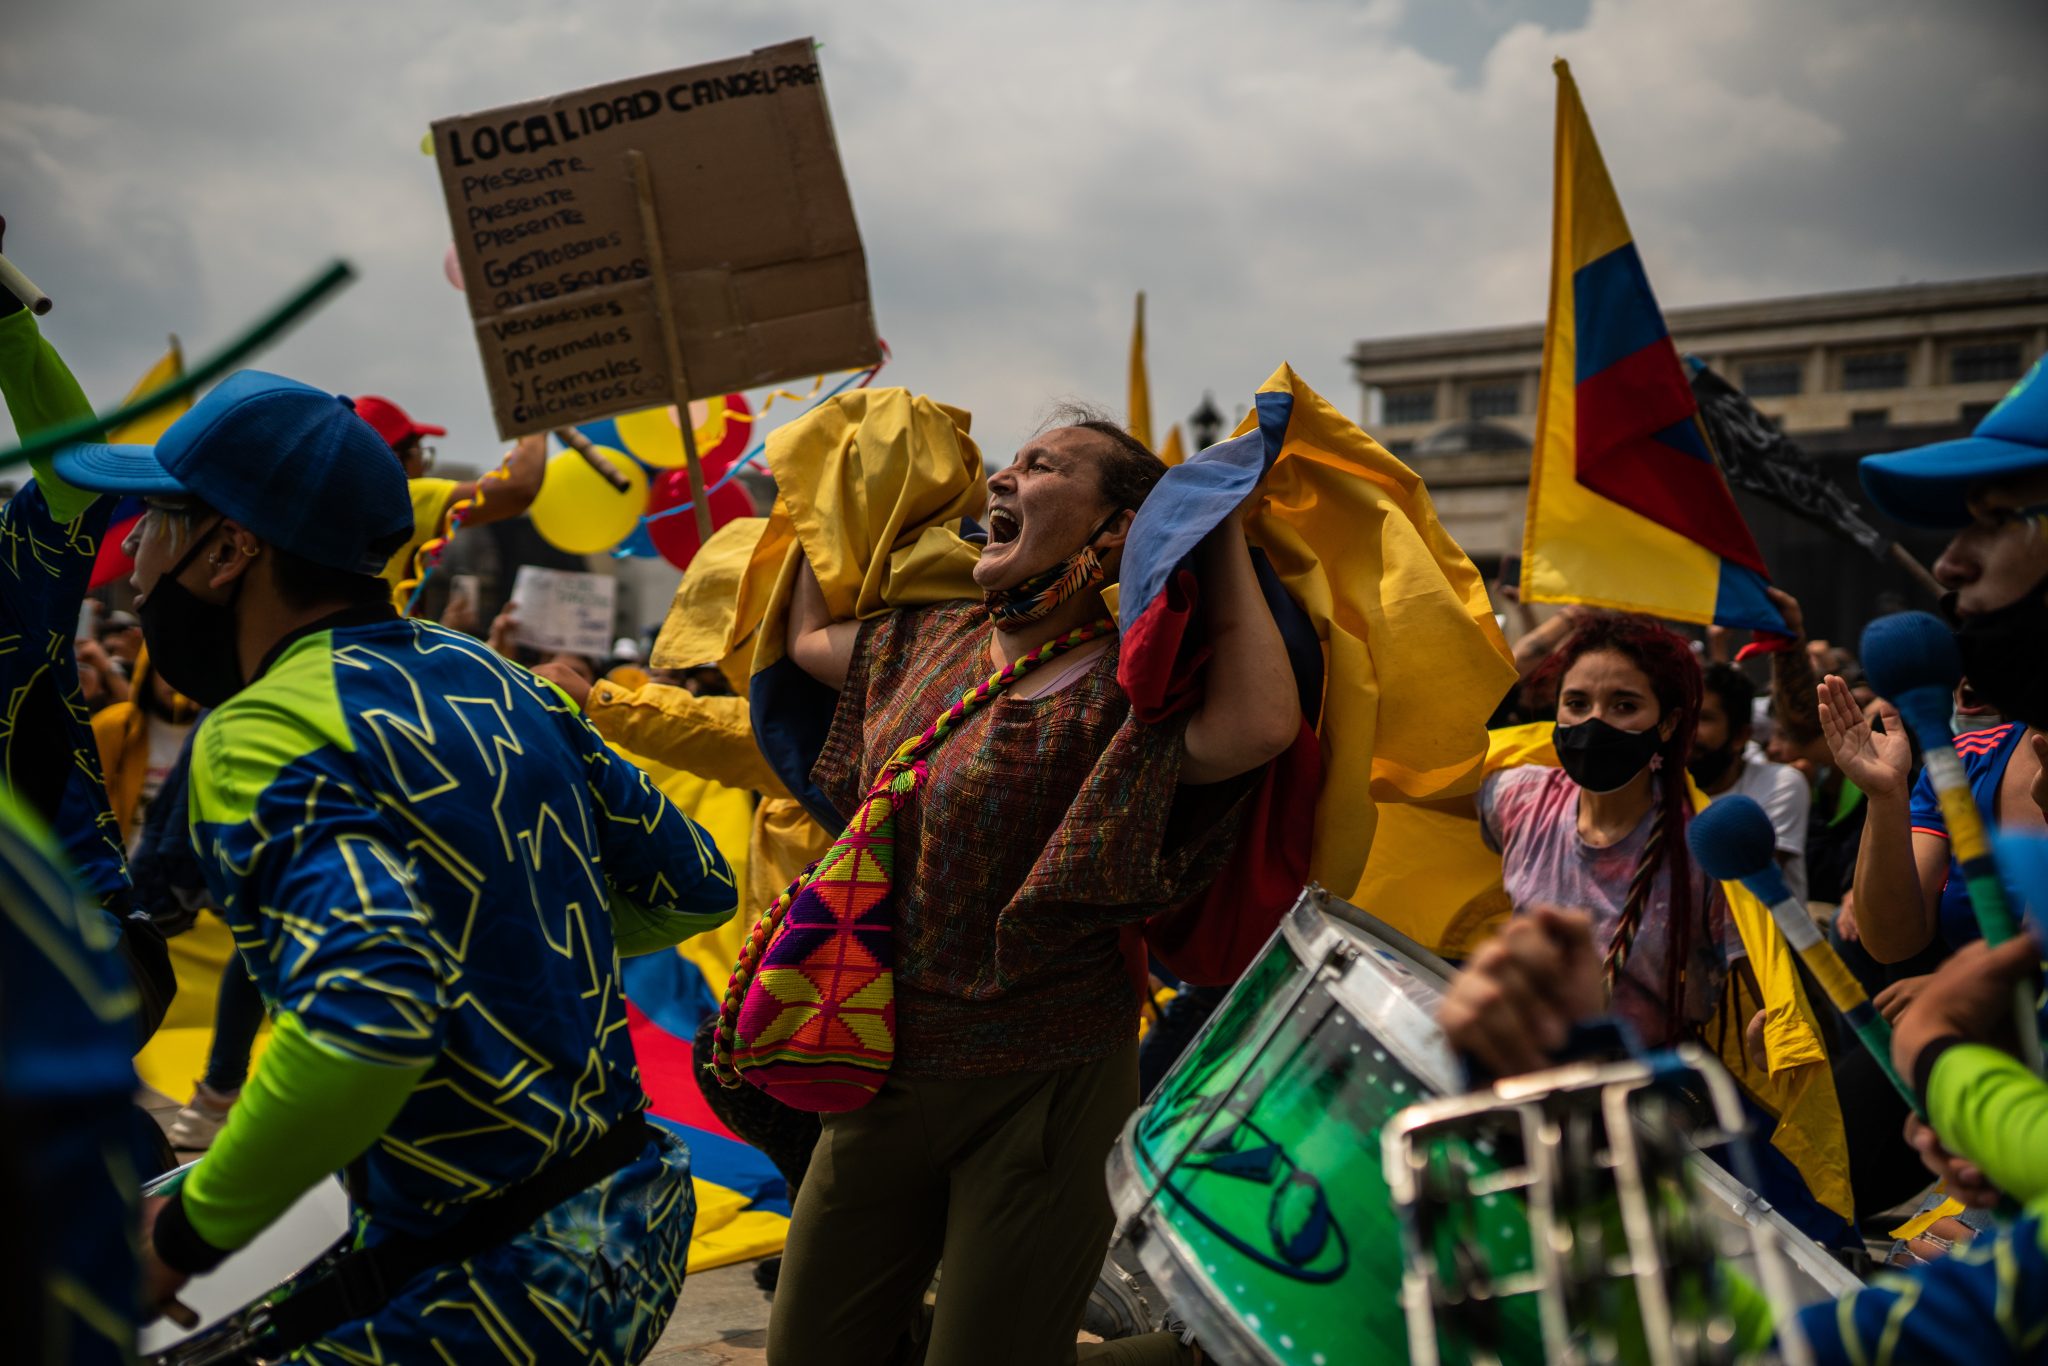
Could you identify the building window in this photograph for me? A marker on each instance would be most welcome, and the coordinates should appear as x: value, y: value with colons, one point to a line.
x: 1493, y: 400
x: 1399, y: 407
x: 1863, y: 419
x: 1973, y: 413
x: 1874, y: 370
x: 1983, y: 362
x: 1773, y: 378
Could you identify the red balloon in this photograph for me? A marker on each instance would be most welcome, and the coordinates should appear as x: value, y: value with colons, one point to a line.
x: 676, y: 537
x: 737, y: 436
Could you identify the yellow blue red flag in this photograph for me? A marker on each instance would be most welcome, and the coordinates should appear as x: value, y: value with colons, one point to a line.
x: 1627, y: 507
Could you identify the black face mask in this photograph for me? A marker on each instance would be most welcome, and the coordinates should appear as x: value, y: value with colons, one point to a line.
x: 1603, y: 758
x: 1709, y: 766
x: 192, y: 641
x: 2005, y: 655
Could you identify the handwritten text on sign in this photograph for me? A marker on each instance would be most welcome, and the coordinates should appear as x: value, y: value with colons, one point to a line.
x: 764, y: 257
x: 561, y: 609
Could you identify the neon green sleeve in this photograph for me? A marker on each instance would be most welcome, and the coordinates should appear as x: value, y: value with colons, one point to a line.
x: 1989, y: 1108
x: 307, y: 1112
x: 41, y: 393
x: 1754, y: 1326
x: 637, y: 930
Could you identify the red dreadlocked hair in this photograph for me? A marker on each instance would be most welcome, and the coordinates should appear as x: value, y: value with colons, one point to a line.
x: 1674, y: 673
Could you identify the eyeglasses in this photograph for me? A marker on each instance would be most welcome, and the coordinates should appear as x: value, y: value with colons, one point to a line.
x: 427, y: 454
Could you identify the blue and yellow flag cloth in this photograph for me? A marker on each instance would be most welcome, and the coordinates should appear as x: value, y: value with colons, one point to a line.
x: 1627, y: 508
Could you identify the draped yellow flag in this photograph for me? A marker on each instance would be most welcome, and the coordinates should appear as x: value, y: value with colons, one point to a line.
x: 145, y: 430
x: 1141, y: 386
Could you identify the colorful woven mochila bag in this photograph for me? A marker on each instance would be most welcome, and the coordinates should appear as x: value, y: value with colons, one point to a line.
x: 810, y: 1013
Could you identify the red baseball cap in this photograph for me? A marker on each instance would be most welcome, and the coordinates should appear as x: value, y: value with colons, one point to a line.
x: 392, y: 422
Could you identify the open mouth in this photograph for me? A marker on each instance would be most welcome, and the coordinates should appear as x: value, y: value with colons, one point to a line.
x: 1002, y: 526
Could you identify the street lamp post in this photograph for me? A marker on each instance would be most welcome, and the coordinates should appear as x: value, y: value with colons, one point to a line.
x: 1205, y: 424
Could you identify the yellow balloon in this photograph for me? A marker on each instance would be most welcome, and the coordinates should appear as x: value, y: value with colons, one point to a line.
x: 577, y: 510
x: 653, y: 437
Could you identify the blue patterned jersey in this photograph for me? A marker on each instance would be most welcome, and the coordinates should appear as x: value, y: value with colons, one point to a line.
x: 66, y: 1027
x: 1984, y: 1303
x: 49, y: 538
x: 419, y: 847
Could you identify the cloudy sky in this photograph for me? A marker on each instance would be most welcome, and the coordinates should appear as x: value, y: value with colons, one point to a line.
x: 1282, y: 177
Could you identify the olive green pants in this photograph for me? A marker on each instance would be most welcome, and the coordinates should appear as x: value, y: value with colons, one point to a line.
x: 1001, y: 1178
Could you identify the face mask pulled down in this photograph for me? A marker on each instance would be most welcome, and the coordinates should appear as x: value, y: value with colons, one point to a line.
x: 2005, y: 655
x: 191, y: 641
x: 1603, y: 758
x: 1039, y: 596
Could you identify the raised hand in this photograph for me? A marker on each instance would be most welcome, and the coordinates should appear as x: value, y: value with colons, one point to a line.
x: 1880, y: 764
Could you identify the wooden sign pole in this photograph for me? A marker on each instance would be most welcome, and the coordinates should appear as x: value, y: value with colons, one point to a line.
x: 664, y: 305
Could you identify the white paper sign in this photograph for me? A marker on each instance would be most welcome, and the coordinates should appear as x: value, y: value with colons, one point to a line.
x: 565, y: 610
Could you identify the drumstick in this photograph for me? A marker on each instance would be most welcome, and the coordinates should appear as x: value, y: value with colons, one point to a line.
x: 23, y: 288
x: 1911, y: 658
x: 585, y: 447
x: 1733, y: 840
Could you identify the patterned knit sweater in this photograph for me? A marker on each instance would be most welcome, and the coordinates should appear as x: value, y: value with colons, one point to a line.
x: 1044, y: 825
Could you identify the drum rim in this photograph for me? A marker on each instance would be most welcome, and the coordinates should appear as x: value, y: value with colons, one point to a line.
x: 1172, y: 1265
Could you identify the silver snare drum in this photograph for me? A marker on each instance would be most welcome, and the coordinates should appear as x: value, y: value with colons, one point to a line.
x: 226, y: 1297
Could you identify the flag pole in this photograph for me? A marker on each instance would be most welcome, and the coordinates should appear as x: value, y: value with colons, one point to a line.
x: 664, y: 304
x: 1904, y: 559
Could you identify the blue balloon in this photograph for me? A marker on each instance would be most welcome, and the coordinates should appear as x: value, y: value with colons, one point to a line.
x: 638, y: 546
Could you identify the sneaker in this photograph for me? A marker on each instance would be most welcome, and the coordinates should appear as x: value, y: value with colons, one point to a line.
x: 197, y: 1124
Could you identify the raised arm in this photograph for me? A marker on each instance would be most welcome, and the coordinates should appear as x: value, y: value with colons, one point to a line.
x: 1250, y: 712
x: 1894, y: 905
x: 821, y: 647
x: 40, y: 392
x: 1795, y: 690
x: 505, y: 498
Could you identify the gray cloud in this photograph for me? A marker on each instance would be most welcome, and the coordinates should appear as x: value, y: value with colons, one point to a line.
x: 1281, y: 178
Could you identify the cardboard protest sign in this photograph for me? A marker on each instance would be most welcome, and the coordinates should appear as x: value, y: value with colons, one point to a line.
x: 762, y: 252
x: 562, y: 609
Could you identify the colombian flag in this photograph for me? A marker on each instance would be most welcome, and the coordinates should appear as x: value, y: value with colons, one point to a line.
x: 1627, y: 508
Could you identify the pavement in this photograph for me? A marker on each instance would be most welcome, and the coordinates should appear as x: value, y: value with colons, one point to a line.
x: 721, y: 1320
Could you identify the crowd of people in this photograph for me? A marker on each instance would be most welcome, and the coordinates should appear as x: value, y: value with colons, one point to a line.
x: 432, y: 852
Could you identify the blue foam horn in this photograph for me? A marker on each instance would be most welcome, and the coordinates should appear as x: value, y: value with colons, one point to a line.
x: 1733, y: 840
x: 1912, y: 660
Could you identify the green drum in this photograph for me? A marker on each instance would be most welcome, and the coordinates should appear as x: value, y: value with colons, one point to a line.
x: 1252, y: 1189
x: 1251, y: 1185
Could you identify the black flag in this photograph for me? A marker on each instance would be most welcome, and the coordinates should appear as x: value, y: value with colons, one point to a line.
x: 1760, y: 459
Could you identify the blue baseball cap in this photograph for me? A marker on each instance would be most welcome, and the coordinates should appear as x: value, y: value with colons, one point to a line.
x: 1925, y: 486
x: 293, y: 464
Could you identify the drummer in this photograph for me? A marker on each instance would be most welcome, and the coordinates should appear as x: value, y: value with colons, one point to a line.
x: 1049, y: 820
x: 1518, y: 997
x: 365, y: 792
